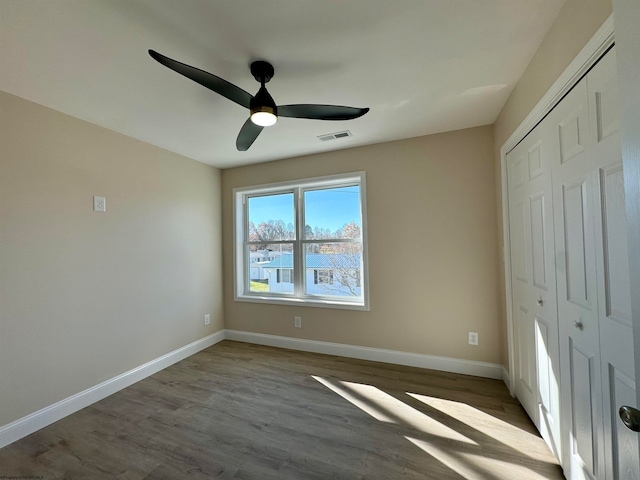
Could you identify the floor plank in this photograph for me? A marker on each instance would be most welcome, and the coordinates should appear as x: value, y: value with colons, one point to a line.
x: 242, y: 411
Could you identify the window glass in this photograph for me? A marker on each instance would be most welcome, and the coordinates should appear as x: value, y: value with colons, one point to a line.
x: 271, y: 217
x: 333, y: 269
x: 332, y: 213
x: 273, y: 272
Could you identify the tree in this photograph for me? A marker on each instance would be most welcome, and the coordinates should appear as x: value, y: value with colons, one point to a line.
x: 267, y: 232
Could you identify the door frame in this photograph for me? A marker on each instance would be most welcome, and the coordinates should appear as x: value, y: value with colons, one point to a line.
x: 627, y: 14
x: 601, y: 41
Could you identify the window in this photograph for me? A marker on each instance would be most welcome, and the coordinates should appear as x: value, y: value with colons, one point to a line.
x: 284, y: 275
x: 310, y: 236
x: 323, y: 276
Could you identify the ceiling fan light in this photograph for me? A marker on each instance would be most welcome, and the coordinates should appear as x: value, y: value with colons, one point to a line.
x: 264, y: 116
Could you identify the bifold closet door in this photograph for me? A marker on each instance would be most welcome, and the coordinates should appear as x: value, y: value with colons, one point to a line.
x: 533, y: 282
x: 573, y: 191
x: 571, y: 294
x: 593, y: 280
x: 612, y: 263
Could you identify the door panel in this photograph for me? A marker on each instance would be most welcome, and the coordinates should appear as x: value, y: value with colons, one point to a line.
x: 614, y: 291
x: 614, y: 231
x: 572, y: 130
x: 533, y: 282
x: 518, y: 244
x: 574, y: 205
x: 548, y: 388
x: 526, y: 353
x: 583, y: 443
x: 538, y: 236
x: 535, y: 162
x: 573, y: 186
x: 606, y: 103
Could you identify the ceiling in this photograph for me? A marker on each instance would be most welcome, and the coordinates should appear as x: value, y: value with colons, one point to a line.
x: 422, y: 66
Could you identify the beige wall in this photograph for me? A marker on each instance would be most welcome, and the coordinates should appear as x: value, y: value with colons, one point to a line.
x: 576, y: 23
x: 432, y: 248
x: 85, y: 296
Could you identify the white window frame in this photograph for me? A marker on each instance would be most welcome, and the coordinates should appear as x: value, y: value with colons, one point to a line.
x: 298, y: 297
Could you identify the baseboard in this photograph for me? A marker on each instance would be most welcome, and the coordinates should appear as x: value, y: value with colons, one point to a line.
x: 445, y: 364
x: 35, y: 421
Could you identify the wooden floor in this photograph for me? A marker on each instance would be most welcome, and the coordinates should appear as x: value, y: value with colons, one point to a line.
x: 241, y: 411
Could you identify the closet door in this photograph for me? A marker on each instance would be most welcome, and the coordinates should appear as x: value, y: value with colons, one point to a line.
x: 533, y: 281
x: 612, y: 262
x: 570, y: 279
x: 574, y: 216
x: 594, y: 299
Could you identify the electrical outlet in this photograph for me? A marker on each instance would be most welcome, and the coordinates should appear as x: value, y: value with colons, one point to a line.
x: 99, y: 204
x: 473, y: 338
x: 207, y: 319
x: 297, y: 321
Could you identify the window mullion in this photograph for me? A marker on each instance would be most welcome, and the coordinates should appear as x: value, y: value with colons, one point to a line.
x: 298, y: 259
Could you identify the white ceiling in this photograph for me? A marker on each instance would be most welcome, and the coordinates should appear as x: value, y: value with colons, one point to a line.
x: 422, y: 66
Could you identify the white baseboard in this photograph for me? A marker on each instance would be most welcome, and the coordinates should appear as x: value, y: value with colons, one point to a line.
x: 445, y: 364
x: 35, y: 421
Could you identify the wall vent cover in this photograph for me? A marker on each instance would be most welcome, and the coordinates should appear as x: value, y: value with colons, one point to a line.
x: 334, y: 136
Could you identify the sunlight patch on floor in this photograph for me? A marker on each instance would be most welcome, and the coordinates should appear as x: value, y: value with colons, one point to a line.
x: 364, y: 406
x: 386, y: 408
x: 476, y: 466
x: 488, y: 425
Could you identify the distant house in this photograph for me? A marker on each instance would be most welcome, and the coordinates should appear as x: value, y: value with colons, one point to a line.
x: 326, y: 274
x: 263, y: 255
x: 258, y: 260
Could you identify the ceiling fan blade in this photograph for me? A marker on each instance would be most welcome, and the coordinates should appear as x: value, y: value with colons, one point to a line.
x: 321, y: 112
x: 248, y: 133
x: 206, y: 79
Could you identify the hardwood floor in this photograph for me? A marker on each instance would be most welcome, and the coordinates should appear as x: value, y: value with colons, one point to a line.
x: 242, y: 411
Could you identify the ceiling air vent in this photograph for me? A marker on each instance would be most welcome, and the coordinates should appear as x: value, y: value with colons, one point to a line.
x: 335, y: 136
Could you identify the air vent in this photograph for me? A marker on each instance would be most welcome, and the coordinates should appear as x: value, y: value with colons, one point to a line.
x: 335, y: 136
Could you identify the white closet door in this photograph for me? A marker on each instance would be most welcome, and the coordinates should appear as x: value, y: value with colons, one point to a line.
x: 570, y: 281
x: 574, y: 215
x: 614, y: 292
x: 533, y: 281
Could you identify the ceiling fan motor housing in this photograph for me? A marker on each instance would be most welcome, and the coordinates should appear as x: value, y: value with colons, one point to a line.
x: 262, y: 71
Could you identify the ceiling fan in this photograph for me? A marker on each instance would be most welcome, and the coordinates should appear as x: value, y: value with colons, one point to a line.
x: 264, y: 111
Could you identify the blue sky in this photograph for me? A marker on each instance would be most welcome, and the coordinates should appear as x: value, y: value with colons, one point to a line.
x: 327, y: 208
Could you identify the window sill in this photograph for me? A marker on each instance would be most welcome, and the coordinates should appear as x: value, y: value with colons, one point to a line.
x: 302, y: 302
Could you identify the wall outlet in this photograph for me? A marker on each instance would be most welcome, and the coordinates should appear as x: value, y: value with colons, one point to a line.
x: 207, y: 319
x: 473, y: 338
x: 99, y: 204
x: 297, y: 321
